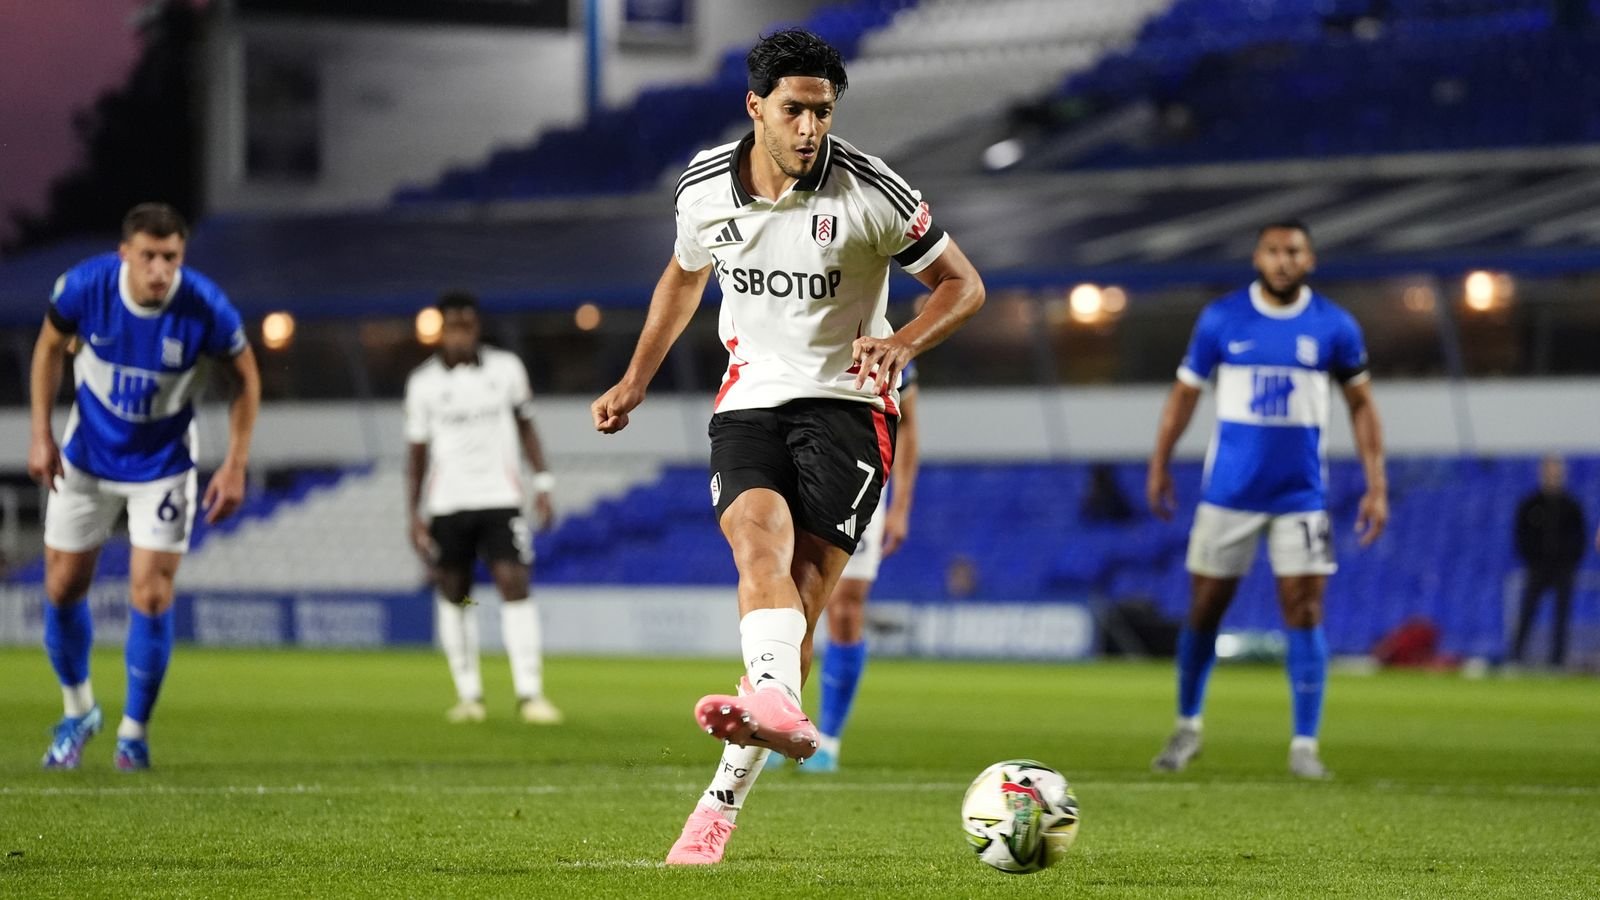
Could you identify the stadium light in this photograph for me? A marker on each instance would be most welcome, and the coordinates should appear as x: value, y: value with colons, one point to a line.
x: 430, y: 325
x: 1003, y: 155
x: 1419, y: 299
x: 1114, y: 300
x: 277, y: 330
x: 1086, y: 302
x: 1480, y: 288
x: 587, y: 317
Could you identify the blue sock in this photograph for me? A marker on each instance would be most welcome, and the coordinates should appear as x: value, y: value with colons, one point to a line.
x: 1308, y: 675
x: 68, y: 637
x: 149, y: 648
x: 1197, y: 650
x: 841, y: 673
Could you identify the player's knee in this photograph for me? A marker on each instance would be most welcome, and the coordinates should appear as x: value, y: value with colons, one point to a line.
x: 847, y: 612
x: 151, y: 596
x: 65, y: 586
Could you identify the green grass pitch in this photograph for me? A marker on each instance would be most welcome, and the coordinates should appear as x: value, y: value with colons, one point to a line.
x: 323, y: 774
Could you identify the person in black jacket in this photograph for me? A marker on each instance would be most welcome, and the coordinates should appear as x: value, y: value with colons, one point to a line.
x: 1550, y: 539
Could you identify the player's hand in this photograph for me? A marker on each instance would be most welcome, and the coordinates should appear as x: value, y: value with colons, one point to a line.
x: 44, y: 461
x: 1159, y: 493
x: 545, y: 511
x: 422, y: 541
x: 1372, y: 516
x: 611, y: 410
x: 896, y: 525
x: 224, y: 493
x: 880, y: 359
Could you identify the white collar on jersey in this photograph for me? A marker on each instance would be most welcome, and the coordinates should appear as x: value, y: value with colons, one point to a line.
x: 1273, y: 310
x: 145, y: 312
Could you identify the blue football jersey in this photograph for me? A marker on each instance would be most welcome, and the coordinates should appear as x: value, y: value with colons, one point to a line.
x: 138, y: 369
x: 1273, y: 366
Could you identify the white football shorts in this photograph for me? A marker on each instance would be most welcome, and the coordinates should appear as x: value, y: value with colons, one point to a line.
x: 863, y: 564
x: 83, y: 509
x: 1222, y: 543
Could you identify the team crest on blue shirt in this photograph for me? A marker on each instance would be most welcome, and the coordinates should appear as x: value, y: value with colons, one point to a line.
x: 1305, y: 350
x: 171, y: 352
x: 824, y: 228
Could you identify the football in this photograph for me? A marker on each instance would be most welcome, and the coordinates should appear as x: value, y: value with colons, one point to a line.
x: 1020, y: 816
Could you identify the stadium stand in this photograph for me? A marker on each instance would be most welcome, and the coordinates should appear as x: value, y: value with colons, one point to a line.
x: 1332, y: 79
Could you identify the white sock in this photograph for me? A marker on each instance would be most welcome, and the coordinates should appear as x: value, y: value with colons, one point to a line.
x: 519, y: 626
x: 736, y: 775
x: 771, y: 641
x: 830, y: 743
x: 1189, y: 723
x: 458, y: 634
x: 1300, y: 741
x: 130, y: 729
x: 77, y: 700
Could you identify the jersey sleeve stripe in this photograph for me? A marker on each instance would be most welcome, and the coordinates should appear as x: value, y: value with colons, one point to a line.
x: 900, y: 205
x: 1352, y: 377
x: 716, y: 162
x: 891, y: 179
x: 912, y: 254
x: 1191, y: 378
x: 707, y: 176
x: 61, y: 322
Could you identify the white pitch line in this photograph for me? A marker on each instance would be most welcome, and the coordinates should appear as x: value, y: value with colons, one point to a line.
x: 781, y: 786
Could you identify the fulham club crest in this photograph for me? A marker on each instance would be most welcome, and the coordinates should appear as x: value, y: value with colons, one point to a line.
x: 823, y: 229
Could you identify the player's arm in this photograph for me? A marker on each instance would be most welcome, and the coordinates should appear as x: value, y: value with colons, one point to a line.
x: 1373, y: 514
x: 672, y: 305
x: 543, y: 481
x: 1175, y: 416
x: 49, y: 362
x: 416, y: 528
x: 897, y: 519
x: 957, y: 294
x: 226, y: 490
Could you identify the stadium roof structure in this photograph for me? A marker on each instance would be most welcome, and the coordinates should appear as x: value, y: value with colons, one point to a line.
x: 1526, y: 212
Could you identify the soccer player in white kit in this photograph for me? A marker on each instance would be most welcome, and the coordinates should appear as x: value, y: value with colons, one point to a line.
x: 1273, y: 348
x: 147, y: 326
x: 468, y: 414
x: 799, y: 228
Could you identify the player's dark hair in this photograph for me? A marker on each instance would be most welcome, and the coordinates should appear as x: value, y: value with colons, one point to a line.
x: 450, y: 300
x: 155, y: 219
x: 1286, y: 225
x: 794, y: 51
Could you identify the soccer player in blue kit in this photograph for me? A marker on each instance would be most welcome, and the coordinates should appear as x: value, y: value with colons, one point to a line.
x: 145, y: 325
x: 1272, y: 348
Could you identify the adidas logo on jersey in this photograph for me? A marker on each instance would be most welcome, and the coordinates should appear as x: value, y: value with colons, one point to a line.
x: 730, y: 234
x: 848, y: 526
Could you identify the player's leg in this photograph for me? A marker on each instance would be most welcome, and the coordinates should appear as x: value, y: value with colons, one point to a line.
x: 1222, y: 547
x: 751, y: 473
x: 455, y: 617
x: 842, y: 664
x: 1302, y: 559
x: 78, y: 519
x: 1563, y: 612
x: 160, y: 519
x: 508, y: 546
x: 774, y: 628
x: 1533, y: 588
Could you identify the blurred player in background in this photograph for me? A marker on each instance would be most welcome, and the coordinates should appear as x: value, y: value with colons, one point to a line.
x: 799, y: 228
x: 469, y: 414
x: 1272, y: 348
x: 144, y: 324
x: 846, y: 656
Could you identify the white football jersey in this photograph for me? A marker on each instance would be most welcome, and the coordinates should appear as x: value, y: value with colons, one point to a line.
x: 467, y: 414
x: 803, y: 276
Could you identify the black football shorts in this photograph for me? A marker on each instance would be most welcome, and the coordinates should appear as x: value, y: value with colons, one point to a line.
x: 494, y: 535
x: 828, y: 458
